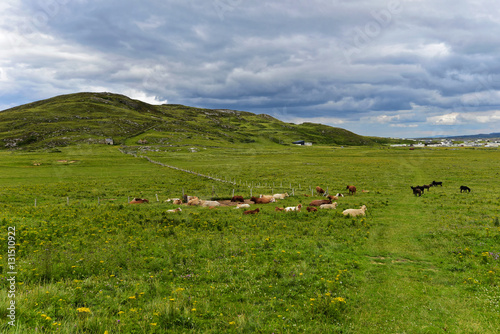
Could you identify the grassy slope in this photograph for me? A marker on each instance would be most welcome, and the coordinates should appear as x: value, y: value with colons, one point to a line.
x: 92, y: 117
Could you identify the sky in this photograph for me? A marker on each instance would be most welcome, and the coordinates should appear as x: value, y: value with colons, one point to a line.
x: 389, y: 68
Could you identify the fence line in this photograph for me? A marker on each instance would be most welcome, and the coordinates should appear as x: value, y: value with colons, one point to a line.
x: 216, y: 178
x: 177, y: 168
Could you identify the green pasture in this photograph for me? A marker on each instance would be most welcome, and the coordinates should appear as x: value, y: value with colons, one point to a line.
x: 89, y: 262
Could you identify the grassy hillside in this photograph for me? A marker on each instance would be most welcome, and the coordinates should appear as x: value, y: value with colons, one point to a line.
x: 93, y: 117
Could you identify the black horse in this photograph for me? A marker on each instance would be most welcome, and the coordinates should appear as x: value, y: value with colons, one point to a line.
x: 464, y: 189
x: 416, y: 191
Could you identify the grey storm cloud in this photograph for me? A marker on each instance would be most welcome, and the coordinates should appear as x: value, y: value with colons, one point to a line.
x: 383, y: 67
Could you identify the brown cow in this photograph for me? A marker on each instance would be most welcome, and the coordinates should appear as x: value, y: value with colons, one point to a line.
x: 318, y: 202
x: 138, y: 201
x: 352, y: 190
x: 319, y: 190
x: 194, y: 201
x: 251, y: 212
x: 237, y: 199
x: 262, y: 200
x: 311, y: 209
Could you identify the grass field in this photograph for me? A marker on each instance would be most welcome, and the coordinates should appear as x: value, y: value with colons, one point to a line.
x: 88, y: 262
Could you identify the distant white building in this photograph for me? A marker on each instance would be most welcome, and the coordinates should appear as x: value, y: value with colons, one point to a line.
x: 302, y: 142
x: 446, y: 143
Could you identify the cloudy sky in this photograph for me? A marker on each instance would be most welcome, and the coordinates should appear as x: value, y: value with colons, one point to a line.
x: 391, y: 68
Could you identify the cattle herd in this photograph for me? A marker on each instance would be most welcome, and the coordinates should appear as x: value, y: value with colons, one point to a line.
x: 239, y: 202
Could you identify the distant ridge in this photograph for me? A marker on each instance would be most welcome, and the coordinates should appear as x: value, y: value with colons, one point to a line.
x: 95, y: 118
x: 465, y: 137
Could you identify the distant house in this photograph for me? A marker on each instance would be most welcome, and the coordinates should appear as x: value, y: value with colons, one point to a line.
x: 302, y: 142
x: 109, y: 141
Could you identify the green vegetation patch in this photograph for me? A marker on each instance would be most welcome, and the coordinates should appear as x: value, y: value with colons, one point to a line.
x: 88, y: 262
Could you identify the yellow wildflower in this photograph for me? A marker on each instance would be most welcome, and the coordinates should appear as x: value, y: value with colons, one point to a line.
x: 83, y: 310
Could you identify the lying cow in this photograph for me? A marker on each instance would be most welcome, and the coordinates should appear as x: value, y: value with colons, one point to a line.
x: 318, y: 202
x: 138, y: 201
x: 237, y: 199
x: 262, y: 200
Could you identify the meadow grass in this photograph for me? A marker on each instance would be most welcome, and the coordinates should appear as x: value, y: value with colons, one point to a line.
x: 414, y: 265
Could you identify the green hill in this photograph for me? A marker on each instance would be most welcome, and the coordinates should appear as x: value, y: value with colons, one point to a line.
x: 94, y: 117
